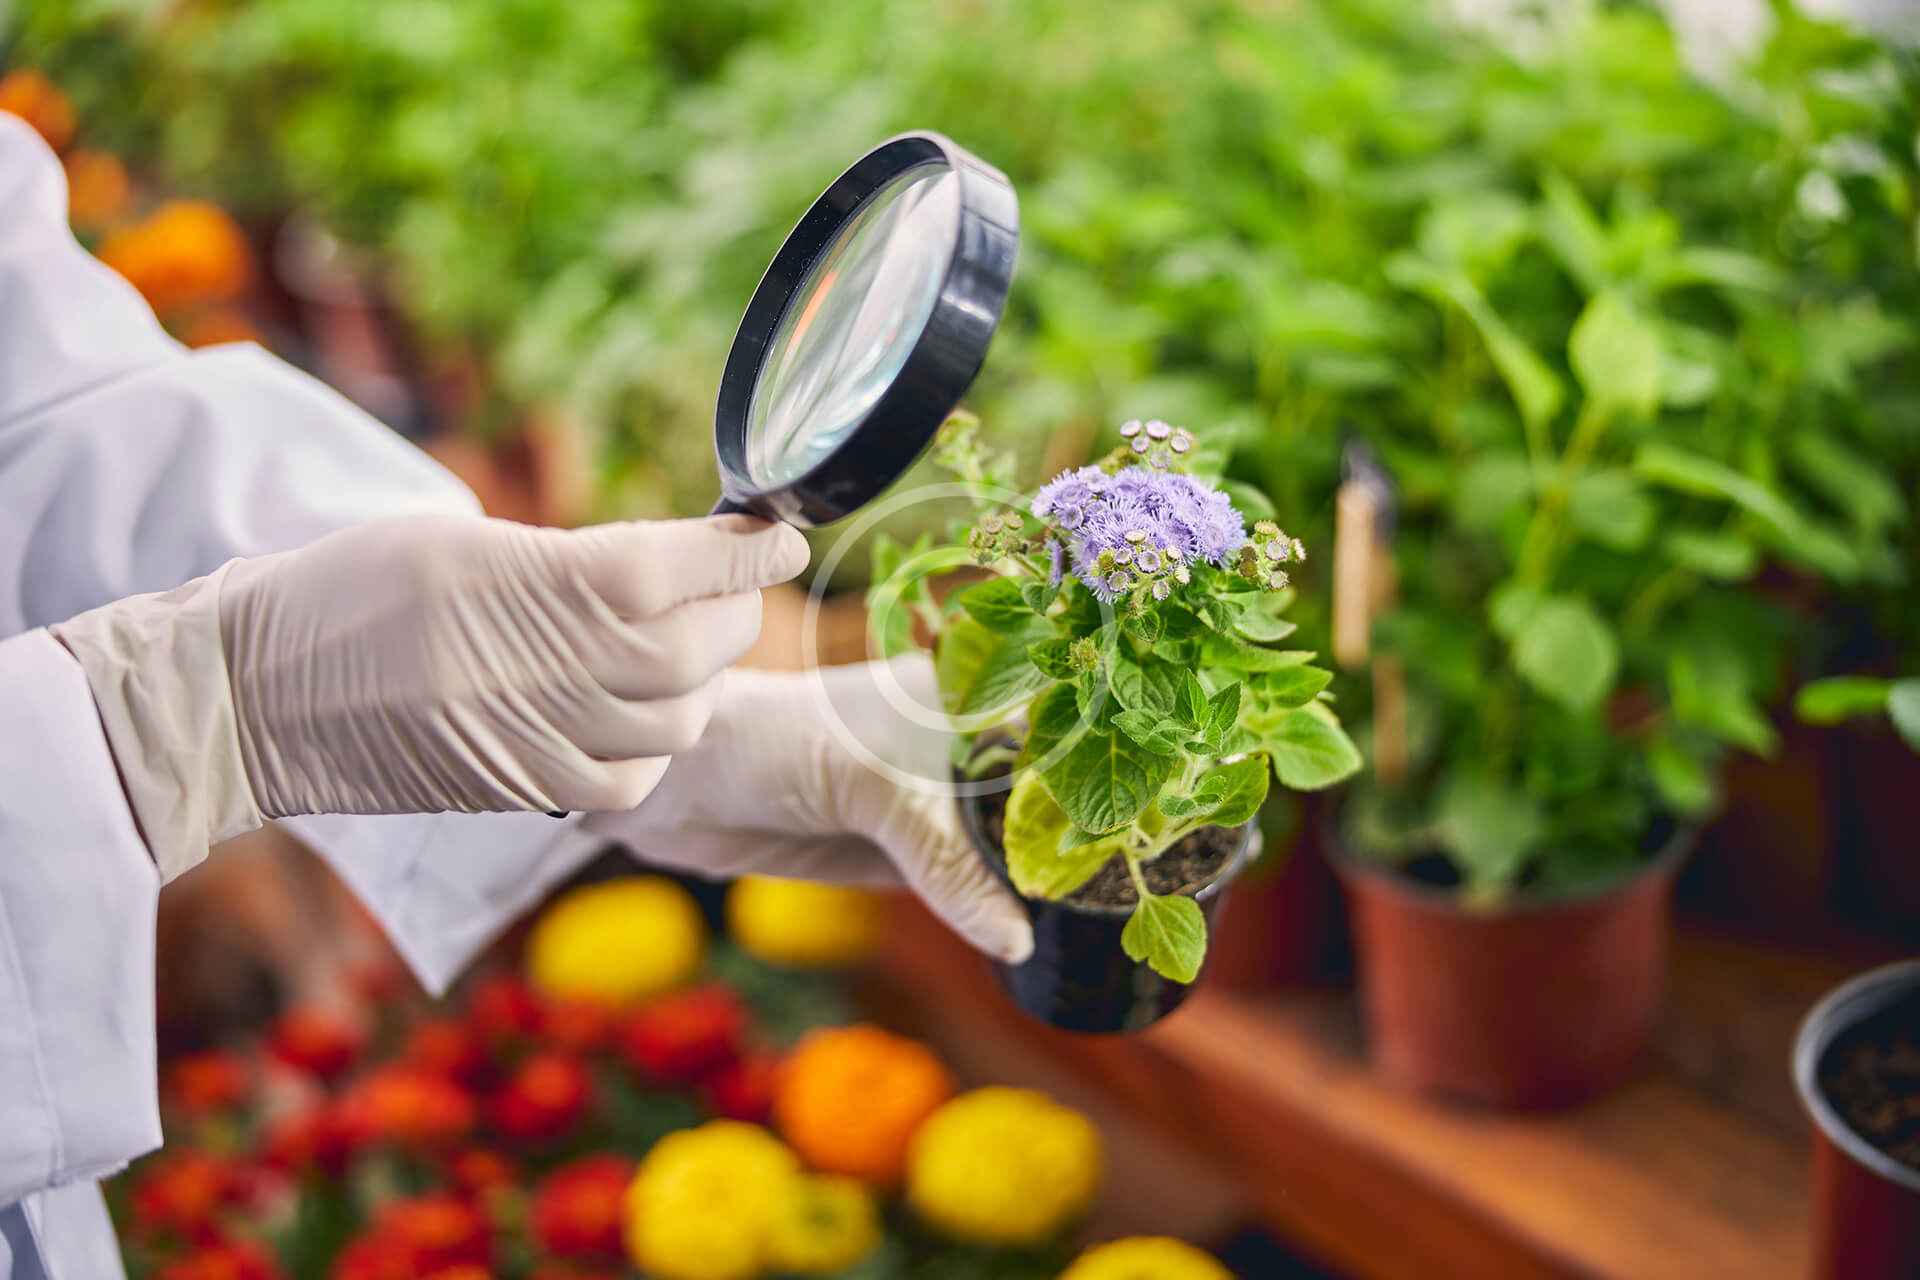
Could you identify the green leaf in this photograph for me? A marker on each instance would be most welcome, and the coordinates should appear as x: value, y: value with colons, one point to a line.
x: 1293, y: 687
x: 1709, y: 692
x: 1849, y: 481
x: 1230, y: 794
x: 1093, y: 697
x: 1223, y: 712
x: 1006, y: 675
x: 1156, y: 733
x: 1221, y: 613
x: 1052, y: 657
x: 1106, y: 780
x: 1724, y: 557
x: 1192, y: 708
x: 1146, y: 686
x: 1263, y: 628
x: 1611, y: 508
x: 1167, y: 933
x: 1237, y: 655
x: 890, y: 613
x: 1674, y: 468
x: 1488, y: 827
x: 1035, y: 828
x: 1681, y: 779
x: 1568, y: 653
x: 1175, y: 806
x: 958, y: 656
x: 1250, y: 502
x: 1903, y: 706
x: 1724, y: 267
x: 1309, y: 748
x: 1615, y: 352
x: 998, y: 605
x: 1840, y: 698
x: 1144, y: 626
x: 1535, y: 388
x: 1574, y: 232
x: 1053, y: 724
x: 1512, y: 606
x: 1038, y: 595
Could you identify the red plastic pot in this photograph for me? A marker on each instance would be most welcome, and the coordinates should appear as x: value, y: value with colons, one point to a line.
x: 1866, y: 1204
x: 1535, y: 1003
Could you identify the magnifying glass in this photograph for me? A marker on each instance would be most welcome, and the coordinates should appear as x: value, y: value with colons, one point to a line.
x: 865, y: 332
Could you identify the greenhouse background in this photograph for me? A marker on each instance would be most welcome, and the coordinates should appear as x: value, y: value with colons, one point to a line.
x: 1606, y: 315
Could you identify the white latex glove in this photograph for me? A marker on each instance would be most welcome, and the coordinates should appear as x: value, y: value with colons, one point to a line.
x: 422, y: 665
x: 777, y: 787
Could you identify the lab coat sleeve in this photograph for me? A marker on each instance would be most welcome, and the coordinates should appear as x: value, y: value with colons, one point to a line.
x: 77, y: 895
x: 129, y: 464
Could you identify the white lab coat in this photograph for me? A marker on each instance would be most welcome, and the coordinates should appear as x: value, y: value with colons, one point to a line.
x: 129, y: 464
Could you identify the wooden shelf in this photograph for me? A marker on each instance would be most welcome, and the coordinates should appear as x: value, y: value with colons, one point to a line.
x: 1696, y: 1167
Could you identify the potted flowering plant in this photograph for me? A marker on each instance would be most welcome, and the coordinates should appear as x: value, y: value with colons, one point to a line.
x: 1123, y: 703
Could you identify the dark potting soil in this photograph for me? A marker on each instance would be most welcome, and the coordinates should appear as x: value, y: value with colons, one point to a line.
x: 1871, y: 1075
x: 1186, y: 868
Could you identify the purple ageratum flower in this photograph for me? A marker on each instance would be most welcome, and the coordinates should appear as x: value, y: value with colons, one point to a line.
x: 1210, y: 516
x: 1147, y: 520
x: 1056, y: 563
x: 1069, y: 493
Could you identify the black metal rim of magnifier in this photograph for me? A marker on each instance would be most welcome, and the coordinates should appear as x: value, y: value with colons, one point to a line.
x: 937, y: 372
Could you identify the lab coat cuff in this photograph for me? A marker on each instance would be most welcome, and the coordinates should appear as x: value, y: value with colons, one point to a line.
x: 78, y: 895
x: 158, y: 672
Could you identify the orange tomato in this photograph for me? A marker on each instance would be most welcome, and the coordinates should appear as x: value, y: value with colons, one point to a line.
x: 851, y: 1098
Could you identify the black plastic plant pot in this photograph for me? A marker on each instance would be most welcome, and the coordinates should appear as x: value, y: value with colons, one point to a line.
x: 1866, y: 1204
x: 1078, y: 977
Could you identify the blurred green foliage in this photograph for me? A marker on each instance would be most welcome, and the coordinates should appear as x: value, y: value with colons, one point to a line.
x: 1637, y: 351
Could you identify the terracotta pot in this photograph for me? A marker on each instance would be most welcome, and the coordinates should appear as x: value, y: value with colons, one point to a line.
x: 1538, y: 1002
x: 1866, y: 1204
x: 1078, y: 977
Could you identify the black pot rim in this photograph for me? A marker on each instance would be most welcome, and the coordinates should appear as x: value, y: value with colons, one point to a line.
x: 1439, y: 898
x: 1244, y: 853
x: 1838, y: 1012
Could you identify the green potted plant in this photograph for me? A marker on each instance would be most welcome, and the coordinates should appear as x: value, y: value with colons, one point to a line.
x: 1125, y: 702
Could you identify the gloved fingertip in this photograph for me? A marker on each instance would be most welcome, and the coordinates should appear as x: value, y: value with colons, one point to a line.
x: 1018, y: 947
x: 790, y: 553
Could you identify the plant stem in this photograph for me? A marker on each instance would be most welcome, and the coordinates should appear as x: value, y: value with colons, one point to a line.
x: 1652, y: 600
x: 1538, y: 548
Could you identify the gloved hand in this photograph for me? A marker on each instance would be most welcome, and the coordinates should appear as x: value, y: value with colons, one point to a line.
x: 785, y: 783
x: 422, y: 665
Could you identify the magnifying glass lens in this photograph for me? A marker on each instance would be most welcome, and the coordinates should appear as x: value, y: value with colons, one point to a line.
x: 852, y: 323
